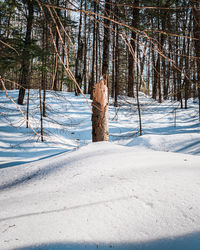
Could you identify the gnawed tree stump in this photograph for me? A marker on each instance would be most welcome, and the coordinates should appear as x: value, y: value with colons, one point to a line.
x: 100, y: 130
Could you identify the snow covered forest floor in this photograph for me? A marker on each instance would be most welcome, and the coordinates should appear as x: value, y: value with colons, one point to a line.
x: 135, y: 192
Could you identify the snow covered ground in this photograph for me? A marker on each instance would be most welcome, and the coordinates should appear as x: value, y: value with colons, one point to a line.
x: 131, y: 193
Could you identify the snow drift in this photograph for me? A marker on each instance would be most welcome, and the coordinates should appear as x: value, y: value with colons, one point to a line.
x: 102, y: 196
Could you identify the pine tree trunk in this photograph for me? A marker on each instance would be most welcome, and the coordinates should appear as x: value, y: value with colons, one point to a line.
x: 154, y: 87
x: 44, y: 65
x: 24, y: 81
x: 159, y: 80
x: 113, y: 61
x: 117, y: 66
x: 117, y: 60
x: 106, y: 39
x: 158, y: 65
x: 135, y: 16
x: 56, y: 77
x: 186, y: 80
x: 79, y: 56
x: 97, y: 43
x: 166, y: 89
x: 27, y: 109
x: 41, y: 116
x: 196, y: 31
x: 85, y: 51
x: 179, y: 64
x: 91, y: 82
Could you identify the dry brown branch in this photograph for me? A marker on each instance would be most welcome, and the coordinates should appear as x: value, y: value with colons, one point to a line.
x: 13, y: 82
x: 66, y: 67
x: 126, y: 5
x: 93, y: 14
x: 61, y: 24
x: 143, y: 33
x: 8, y: 45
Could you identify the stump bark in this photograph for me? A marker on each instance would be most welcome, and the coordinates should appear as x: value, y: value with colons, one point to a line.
x: 100, y: 131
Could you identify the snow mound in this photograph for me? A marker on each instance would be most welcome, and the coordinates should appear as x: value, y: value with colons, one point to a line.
x: 102, y: 196
x: 179, y: 143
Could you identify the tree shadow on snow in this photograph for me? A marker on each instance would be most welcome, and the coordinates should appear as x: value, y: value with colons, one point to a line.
x: 184, y: 242
x: 26, y: 177
x: 16, y: 163
x: 47, y: 169
x: 171, y: 130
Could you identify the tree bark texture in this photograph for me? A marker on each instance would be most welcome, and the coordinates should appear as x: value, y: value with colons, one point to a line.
x: 79, y: 57
x: 131, y: 76
x: 100, y: 131
x: 117, y: 67
x: 91, y: 82
x: 196, y: 31
x: 106, y: 39
x: 26, y: 55
x: 85, y: 51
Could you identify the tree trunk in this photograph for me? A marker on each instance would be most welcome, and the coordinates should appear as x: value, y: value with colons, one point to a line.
x: 154, y: 87
x: 159, y: 80
x: 97, y: 47
x: 91, y: 83
x: 100, y: 112
x: 27, y: 109
x: 44, y: 65
x: 179, y: 64
x: 79, y: 56
x: 138, y: 106
x: 85, y: 51
x: 25, y: 68
x: 196, y: 31
x: 113, y: 60
x: 56, y: 76
x: 106, y: 38
x: 117, y: 66
x: 166, y: 87
x: 135, y: 16
x: 41, y: 116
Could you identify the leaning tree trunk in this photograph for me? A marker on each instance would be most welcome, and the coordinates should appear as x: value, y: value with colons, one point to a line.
x: 26, y: 55
x: 100, y: 112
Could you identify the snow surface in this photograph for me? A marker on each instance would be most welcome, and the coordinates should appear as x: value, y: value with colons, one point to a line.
x: 131, y: 193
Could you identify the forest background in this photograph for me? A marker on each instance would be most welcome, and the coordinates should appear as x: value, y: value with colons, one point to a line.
x: 147, y: 46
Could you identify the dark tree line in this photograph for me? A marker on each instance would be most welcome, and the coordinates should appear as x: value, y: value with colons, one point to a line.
x: 148, y: 46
